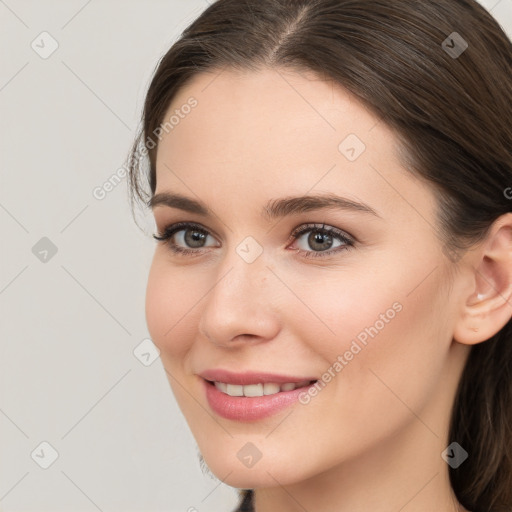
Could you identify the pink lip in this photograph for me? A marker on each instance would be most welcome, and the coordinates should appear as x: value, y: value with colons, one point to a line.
x: 241, y: 408
x: 247, y: 378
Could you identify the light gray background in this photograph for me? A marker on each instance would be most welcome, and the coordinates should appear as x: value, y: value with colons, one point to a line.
x: 70, y: 324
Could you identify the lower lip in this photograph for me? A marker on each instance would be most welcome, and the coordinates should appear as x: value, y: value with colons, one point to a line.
x: 241, y: 408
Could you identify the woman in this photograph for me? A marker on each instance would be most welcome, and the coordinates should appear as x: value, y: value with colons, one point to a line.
x: 331, y: 289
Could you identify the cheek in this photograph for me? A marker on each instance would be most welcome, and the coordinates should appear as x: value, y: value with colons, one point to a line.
x: 396, y: 296
x: 368, y: 327
x: 170, y: 300
x: 399, y: 361
x: 338, y: 307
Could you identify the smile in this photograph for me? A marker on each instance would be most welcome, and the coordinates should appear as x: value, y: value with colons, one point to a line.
x: 252, y: 402
x: 262, y: 389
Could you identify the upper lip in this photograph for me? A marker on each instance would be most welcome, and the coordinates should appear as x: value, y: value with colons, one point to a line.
x: 246, y: 378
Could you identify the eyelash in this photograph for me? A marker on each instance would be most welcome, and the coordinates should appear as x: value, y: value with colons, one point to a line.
x: 171, y: 230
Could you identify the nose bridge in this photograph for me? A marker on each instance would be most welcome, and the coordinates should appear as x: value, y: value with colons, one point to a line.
x: 244, y: 270
x: 240, y: 300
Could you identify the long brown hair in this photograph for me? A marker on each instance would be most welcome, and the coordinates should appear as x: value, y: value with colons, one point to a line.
x: 437, y: 72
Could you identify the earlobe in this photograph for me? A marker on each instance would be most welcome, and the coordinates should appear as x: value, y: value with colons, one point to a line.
x: 488, y: 308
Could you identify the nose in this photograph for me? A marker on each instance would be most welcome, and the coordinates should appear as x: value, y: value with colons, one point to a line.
x: 239, y: 307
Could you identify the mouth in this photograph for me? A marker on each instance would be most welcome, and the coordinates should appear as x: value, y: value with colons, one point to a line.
x: 260, y: 389
x: 255, y: 401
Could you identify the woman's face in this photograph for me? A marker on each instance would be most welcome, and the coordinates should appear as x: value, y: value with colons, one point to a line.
x: 367, y: 314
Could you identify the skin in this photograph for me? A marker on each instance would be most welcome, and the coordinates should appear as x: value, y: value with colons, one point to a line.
x: 372, y: 438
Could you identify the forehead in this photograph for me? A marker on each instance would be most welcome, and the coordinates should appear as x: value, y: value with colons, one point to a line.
x: 278, y: 132
x: 278, y: 108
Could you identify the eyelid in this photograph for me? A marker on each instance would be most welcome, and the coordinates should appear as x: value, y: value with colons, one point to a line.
x: 174, y: 226
x: 322, y: 226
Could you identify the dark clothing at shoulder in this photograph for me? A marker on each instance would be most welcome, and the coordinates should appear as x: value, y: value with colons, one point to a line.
x: 246, y: 505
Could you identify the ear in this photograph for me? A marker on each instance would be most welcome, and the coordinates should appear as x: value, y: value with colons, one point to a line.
x: 488, y: 307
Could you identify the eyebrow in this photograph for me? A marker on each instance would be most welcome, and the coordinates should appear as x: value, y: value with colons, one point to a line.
x: 275, y: 208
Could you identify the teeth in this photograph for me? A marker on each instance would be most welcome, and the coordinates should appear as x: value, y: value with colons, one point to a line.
x: 268, y: 388
x: 253, y: 390
x: 221, y: 386
x: 234, y: 390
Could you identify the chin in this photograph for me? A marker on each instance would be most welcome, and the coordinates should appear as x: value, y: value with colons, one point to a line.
x: 266, y: 472
x: 253, y: 478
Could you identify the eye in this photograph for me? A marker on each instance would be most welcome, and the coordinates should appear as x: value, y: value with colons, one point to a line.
x: 187, y: 238
x: 187, y: 234
x: 321, y: 240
